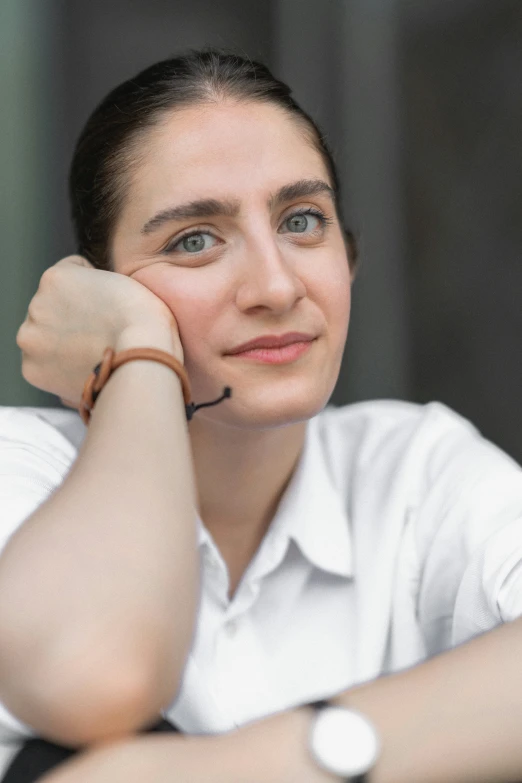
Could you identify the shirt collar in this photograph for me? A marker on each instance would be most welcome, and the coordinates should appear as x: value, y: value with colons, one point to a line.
x: 311, y: 512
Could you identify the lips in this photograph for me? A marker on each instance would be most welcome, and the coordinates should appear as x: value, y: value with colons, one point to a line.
x: 272, y: 341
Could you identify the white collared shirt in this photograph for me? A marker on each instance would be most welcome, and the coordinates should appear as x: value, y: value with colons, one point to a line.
x: 399, y: 536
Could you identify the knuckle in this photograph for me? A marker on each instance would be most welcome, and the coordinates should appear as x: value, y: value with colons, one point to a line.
x: 80, y: 261
x: 26, y: 336
x: 30, y: 339
x: 73, y: 260
x: 49, y: 276
x: 21, y: 336
x: 32, y: 310
x: 30, y: 372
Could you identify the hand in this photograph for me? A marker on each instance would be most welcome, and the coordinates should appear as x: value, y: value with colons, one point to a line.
x: 76, y: 313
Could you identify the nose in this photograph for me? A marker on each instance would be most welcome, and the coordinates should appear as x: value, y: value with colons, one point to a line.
x: 269, y: 278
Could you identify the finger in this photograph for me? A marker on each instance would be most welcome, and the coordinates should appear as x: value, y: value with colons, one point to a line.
x: 76, y: 260
x: 68, y: 403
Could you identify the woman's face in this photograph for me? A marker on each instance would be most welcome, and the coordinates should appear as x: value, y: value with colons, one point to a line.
x: 230, y: 220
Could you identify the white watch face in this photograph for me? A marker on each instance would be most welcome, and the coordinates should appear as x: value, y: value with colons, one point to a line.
x: 343, y: 741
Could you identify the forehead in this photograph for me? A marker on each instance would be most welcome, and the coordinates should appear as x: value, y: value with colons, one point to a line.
x: 224, y: 149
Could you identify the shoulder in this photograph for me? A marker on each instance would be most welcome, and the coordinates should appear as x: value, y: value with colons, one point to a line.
x: 380, y: 418
x: 56, y: 431
x: 391, y: 442
x: 391, y: 427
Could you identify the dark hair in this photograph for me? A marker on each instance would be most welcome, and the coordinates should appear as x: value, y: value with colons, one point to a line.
x: 107, y: 147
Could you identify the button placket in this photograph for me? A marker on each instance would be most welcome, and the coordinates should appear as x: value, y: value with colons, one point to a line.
x: 231, y: 628
x: 216, y: 576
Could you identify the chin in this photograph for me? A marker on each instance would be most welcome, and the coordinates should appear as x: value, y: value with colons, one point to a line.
x: 267, y: 410
x: 263, y: 399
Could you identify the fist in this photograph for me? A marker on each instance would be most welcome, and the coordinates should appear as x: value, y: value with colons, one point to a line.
x: 76, y: 313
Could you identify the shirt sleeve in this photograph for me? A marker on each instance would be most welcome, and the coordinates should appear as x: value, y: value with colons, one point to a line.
x: 34, y: 459
x: 469, y: 535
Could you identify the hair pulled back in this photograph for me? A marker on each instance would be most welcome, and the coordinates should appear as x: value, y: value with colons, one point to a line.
x: 108, y: 146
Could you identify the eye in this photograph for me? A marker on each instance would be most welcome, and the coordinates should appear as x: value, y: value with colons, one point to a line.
x: 193, y: 243
x: 305, y: 221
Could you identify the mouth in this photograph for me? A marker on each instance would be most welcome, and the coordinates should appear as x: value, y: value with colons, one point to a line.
x: 271, y: 341
x: 282, y: 354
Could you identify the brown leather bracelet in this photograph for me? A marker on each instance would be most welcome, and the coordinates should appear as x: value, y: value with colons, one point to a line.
x: 111, y: 361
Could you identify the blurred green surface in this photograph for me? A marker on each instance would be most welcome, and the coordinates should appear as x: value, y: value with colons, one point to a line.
x: 23, y: 208
x: 422, y: 106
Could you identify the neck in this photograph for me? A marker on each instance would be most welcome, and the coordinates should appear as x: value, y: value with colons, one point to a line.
x: 240, y: 477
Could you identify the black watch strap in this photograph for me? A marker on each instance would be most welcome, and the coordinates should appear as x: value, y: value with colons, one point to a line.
x: 320, y: 705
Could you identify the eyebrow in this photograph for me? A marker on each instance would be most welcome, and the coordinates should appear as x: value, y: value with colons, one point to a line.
x: 210, y: 207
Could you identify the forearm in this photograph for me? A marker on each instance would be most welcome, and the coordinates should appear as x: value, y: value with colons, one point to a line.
x: 455, y: 718
x: 107, y: 565
x: 268, y: 751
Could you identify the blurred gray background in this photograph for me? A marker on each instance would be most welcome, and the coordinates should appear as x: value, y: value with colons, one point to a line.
x: 421, y: 101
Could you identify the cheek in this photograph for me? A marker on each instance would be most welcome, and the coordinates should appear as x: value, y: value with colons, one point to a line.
x: 339, y: 304
x: 334, y: 292
x: 192, y: 302
x: 343, y: 295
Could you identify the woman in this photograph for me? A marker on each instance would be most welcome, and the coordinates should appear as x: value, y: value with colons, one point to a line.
x: 329, y: 546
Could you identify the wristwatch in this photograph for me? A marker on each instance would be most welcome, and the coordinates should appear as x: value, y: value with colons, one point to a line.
x: 343, y: 741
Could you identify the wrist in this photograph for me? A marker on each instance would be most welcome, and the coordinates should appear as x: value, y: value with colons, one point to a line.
x: 276, y: 750
x: 142, y: 336
x: 343, y: 741
x: 113, y: 360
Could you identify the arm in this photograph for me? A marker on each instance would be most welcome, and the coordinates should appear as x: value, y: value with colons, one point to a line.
x: 108, y: 564
x: 268, y: 751
x: 453, y: 719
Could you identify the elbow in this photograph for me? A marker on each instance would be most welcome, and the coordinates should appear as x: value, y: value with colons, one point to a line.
x: 82, y: 685
x: 116, y: 703
x: 70, y: 707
